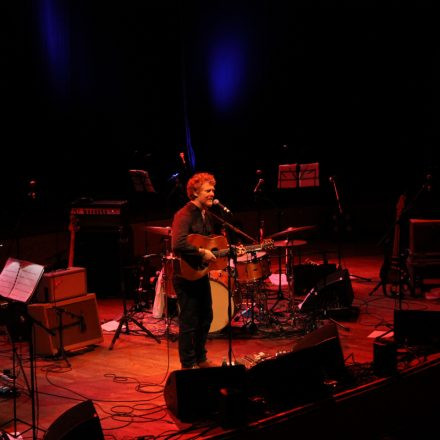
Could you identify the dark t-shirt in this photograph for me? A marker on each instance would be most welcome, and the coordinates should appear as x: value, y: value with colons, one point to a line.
x: 189, y: 220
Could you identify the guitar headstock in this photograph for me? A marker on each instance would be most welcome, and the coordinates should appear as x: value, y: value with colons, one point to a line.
x: 400, y: 206
x: 240, y: 250
x: 267, y: 243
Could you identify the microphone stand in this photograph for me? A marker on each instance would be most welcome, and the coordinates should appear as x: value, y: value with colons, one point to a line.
x: 223, y: 222
x: 339, y: 222
x: 232, y: 255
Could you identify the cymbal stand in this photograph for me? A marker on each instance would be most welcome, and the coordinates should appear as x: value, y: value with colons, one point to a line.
x: 165, y: 282
x: 280, y: 295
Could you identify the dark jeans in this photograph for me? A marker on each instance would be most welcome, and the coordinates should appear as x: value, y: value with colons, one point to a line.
x: 195, y: 317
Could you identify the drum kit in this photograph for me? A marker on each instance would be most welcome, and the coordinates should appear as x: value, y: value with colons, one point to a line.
x: 249, y: 274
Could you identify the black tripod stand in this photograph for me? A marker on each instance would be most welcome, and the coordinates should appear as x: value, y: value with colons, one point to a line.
x: 128, y: 314
x: 126, y: 319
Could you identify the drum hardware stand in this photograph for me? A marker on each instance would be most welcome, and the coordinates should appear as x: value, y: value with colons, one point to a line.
x: 127, y: 316
x: 280, y: 295
x: 250, y: 310
x: 168, y: 318
x: 142, y: 290
x: 166, y: 253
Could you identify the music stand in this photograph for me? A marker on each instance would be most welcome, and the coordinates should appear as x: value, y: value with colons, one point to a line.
x: 298, y: 175
x: 141, y: 181
x: 18, y: 282
x: 294, y: 175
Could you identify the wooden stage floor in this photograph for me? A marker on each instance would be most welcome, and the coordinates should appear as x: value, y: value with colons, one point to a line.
x: 126, y: 383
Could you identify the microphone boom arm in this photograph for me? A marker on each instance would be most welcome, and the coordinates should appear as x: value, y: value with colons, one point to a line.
x: 235, y: 229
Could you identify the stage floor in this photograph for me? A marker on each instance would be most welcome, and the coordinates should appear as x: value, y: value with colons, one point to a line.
x: 126, y: 383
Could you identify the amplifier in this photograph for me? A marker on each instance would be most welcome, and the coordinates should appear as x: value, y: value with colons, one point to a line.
x: 76, y: 318
x: 62, y: 284
x: 424, y: 237
x: 99, y: 214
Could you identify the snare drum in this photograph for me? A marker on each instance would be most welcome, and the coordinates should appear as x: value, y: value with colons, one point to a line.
x: 218, y: 280
x: 253, y: 267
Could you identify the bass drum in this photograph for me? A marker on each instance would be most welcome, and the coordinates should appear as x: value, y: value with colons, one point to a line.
x: 219, y: 292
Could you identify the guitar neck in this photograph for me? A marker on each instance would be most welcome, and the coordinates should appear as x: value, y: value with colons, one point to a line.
x: 71, y: 250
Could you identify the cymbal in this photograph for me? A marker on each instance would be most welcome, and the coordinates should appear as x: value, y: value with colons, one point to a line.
x: 289, y: 243
x: 160, y: 230
x: 291, y: 231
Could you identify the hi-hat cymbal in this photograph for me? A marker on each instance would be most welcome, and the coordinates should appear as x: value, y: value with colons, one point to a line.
x: 160, y: 230
x: 289, y: 243
x: 291, y: 231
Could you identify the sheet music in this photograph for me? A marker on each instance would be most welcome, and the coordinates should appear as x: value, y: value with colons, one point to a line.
x: 309, y: 174
x: 298, y: 175
x: 19, y: 279
x: 287, y: 176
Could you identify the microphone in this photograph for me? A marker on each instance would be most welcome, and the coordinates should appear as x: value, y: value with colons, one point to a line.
x: 182, y: 157
x: 257, y: 188
x: 216, y: 202
x: 331, y: 179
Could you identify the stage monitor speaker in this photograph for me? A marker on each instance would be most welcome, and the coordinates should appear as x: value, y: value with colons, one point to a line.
x: 306, y: 276
x: 298, y: 377
x: 80, y: 324
x: 326, y: 343
x: 417, y: 327
x: 80, y: 421
x: 196, y: 393
x: 332, y: 292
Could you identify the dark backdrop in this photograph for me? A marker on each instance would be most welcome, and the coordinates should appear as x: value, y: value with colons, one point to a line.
x: 92, y: 89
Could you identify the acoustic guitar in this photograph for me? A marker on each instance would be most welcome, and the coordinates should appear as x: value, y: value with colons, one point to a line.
x: 218, y: 245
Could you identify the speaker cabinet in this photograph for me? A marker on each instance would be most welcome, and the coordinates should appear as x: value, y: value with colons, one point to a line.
x: 74, y: 323
x: 332, y: 292
x: 191, y: 394
x: 424, y: 254
x: 105, y: 253
x: 384, y: 357
x: 417, y: 327
x: 80, y: 421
